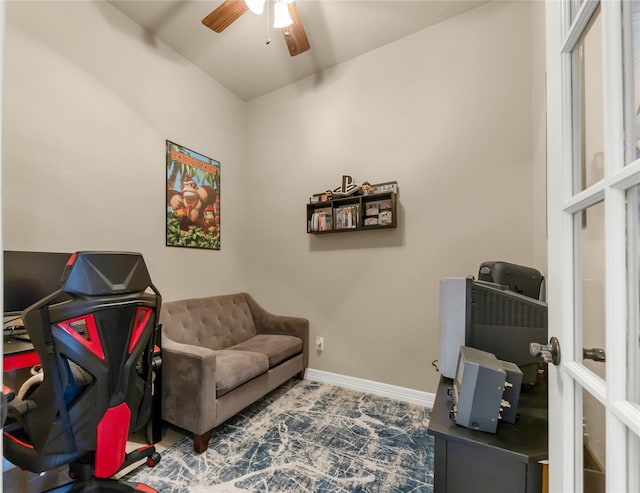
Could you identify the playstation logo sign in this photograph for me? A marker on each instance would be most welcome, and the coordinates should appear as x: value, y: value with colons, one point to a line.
x: 348, y: 187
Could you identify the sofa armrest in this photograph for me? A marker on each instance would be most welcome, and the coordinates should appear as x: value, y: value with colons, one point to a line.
x: 188, y: 385
x: 267, y: 323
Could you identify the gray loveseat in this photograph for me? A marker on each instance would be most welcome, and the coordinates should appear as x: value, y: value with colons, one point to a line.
x: 222, y: 353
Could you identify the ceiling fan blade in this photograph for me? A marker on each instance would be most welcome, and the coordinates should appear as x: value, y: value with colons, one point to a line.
x: 294, y: 35
x: 225, y: 14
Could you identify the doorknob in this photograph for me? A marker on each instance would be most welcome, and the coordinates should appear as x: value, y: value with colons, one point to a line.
x: 550, y: 353
x: 596, y: 354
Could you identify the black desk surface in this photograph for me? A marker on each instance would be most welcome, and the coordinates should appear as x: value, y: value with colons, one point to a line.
x: 16, y: 340
x: 526, y: 440
x: 14, y: 345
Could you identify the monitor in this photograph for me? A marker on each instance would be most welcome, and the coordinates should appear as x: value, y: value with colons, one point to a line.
x: 492, y: 318
x: 29, y: 277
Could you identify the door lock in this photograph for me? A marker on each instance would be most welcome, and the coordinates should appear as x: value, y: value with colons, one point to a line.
x: 550, y: 353
x: 595, y: 354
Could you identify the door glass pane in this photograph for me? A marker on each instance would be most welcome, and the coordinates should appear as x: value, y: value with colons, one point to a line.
x: 633, y: 261
x: 591, y: 268
x: 632, y: 78
x: 588, y: 101
x: 593, y: 444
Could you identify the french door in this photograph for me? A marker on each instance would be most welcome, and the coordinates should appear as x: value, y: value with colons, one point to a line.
x: 593, y: 172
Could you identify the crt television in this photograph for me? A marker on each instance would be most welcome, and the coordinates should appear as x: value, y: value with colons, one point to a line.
x: 29, y: 277
x: 478, y: 388
x: 490, y: 317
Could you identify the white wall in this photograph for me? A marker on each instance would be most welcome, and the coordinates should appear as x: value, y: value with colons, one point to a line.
x: 451, y: 113
x: 448, y: 113
x: 89, y: 101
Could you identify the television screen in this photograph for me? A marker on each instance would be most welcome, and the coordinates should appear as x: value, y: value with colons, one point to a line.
x: 29, y: 277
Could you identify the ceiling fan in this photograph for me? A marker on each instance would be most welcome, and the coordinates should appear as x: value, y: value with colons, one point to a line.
x: 291, y: 24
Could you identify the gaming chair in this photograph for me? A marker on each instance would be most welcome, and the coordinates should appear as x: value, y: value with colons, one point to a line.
x: 95, y: 337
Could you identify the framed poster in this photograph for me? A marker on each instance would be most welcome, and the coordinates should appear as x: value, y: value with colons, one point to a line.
x: 193, y: 199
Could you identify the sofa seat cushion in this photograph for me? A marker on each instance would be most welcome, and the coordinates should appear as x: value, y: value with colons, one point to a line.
x: 233, y: 368
x: 277, y: 347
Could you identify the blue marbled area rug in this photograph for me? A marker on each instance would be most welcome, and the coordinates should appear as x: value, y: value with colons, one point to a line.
x: 306, y: 437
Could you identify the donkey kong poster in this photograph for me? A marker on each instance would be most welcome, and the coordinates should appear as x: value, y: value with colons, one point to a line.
x: 193, y: 199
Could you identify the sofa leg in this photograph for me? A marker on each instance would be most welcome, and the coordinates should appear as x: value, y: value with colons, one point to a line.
x: 201, y: 442
x: 300, y: 375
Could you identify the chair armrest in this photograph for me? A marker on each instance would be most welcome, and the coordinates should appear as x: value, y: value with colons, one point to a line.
x: 188, y: 385
x: 267, y: 323
x: 7, y: 393
x: 7, y: 396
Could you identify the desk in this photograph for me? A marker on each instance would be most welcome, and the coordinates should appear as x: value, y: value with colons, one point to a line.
x: 18, y: 358
x: 468, y: 460
x: 17, y: 354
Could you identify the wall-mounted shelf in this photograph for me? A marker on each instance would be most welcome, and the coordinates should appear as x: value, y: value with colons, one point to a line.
x: 353, y: 213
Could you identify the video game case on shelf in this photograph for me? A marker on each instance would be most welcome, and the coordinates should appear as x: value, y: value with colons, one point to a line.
x: 347, y: 217
x: 371, y: 221
x: 385, y: 217
x: 321, y: 220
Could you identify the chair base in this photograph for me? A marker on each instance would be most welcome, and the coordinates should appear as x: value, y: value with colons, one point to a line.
x: 85, y: 482
x: 96, y: 485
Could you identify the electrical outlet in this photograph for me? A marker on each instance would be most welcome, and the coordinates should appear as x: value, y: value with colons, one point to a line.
x: 319, y: 343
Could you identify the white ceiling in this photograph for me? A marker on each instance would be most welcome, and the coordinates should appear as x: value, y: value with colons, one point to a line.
x: 239, y: 57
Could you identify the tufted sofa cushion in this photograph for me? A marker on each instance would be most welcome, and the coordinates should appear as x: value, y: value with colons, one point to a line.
x: 216, y: 322
x: 276, y: 347
x: 237, y: 367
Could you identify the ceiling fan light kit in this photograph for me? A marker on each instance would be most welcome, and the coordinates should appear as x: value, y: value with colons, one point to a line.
x: 281, y: 17
x: 285, y: 13
x: 255, y: 6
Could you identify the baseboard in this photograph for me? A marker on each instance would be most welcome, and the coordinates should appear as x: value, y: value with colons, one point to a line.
x: 382, y: 389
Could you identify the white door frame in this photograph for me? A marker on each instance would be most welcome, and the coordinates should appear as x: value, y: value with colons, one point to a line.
x: 1, y: 242
x: 567, y: 381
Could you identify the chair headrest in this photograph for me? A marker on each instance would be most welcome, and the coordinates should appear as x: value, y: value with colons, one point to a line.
x: 104, y: 273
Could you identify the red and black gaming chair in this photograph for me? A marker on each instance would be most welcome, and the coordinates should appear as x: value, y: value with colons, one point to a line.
x: 95, y: 337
